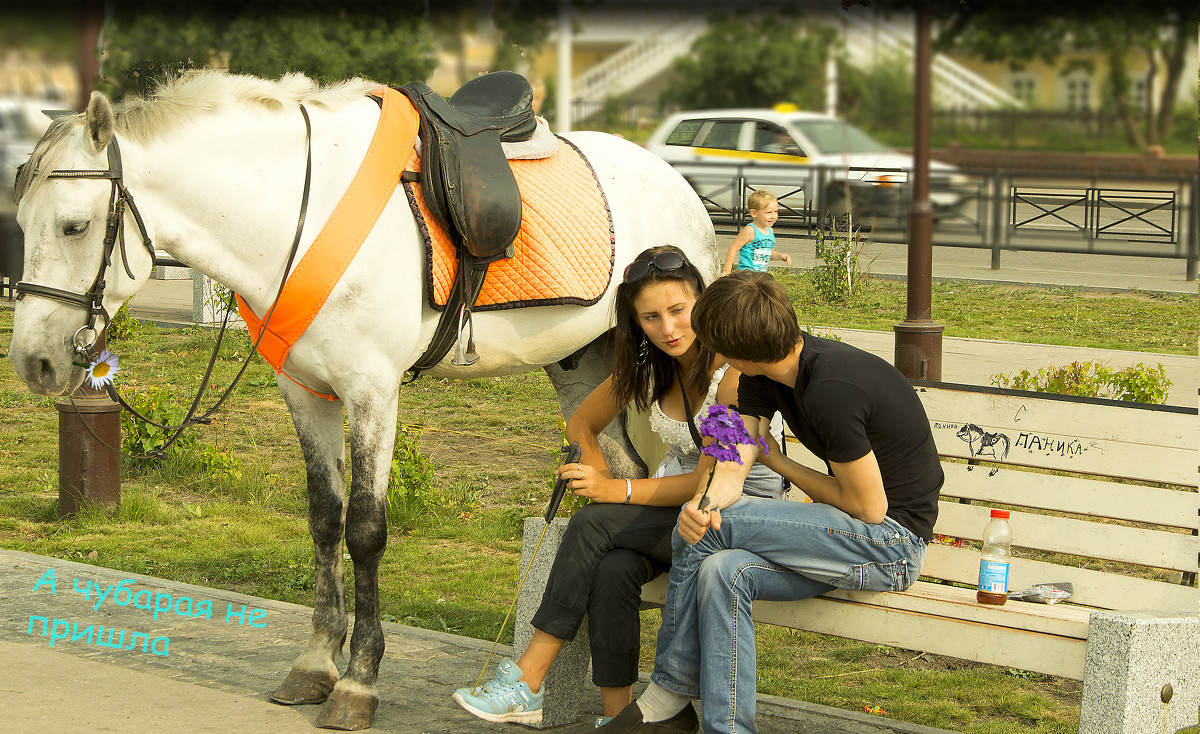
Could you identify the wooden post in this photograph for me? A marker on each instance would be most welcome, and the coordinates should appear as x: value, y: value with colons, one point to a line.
x: 89, y: 438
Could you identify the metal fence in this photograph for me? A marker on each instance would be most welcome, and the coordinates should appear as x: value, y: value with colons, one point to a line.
x: 996, y: 210
x: 1014, y: 124
x: 1131, y: 215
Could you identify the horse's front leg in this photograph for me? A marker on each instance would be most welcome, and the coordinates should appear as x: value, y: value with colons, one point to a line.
x: 319, y: 427
x: 352, y: 703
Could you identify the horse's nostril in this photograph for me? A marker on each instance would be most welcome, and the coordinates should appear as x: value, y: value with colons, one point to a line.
x: 45, y: 372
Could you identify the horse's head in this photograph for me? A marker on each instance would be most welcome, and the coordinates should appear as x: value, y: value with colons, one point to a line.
x: 71, y: 205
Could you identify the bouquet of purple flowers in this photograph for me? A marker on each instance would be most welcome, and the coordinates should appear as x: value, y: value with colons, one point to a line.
x: 725, y: 425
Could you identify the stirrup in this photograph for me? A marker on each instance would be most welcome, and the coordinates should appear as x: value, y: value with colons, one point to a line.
x: 465, y: 356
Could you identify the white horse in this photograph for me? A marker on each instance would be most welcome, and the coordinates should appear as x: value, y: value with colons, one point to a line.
x: 217, y: 164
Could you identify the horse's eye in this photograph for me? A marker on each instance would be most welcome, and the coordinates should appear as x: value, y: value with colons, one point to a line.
x: 74, y: 229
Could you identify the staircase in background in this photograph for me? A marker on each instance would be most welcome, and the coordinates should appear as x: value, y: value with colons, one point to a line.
x: 954, y: 86
x: 648, y: 55
x: 654, y: 40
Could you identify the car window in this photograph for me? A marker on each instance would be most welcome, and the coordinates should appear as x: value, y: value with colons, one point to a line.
x: 723, y: 135
x: 685, y: 132
x: 835, y: 136
x: 771, y: 138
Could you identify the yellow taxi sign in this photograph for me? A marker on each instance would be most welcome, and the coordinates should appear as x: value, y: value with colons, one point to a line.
x: 784, y: 107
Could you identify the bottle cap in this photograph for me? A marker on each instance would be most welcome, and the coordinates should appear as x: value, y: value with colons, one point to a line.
x: 1000, y: 513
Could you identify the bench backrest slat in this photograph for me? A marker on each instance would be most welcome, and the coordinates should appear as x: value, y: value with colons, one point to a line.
x: 1091, y: 588
x: 1068, y: 536
x: 1170, y: 507
x: 1103, y: 437
x: 1118, y: 543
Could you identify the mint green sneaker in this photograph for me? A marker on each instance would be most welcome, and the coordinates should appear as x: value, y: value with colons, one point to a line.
x: 505, y: 698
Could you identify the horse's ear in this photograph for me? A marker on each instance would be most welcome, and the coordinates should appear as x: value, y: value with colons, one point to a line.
x: 100, y: 121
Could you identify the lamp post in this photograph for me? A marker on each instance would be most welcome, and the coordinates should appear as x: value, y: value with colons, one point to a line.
x: 918, y: 337
x: 91, y: 18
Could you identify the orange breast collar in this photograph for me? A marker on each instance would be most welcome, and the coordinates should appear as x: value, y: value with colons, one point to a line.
x: 314, y: 277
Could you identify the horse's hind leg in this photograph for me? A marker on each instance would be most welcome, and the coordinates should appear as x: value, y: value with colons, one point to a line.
x: 319, y: 426
x: 372, y: 413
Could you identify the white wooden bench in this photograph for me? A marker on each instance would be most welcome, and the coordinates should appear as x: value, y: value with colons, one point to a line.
x: 1131, y: 630
x: 1131, y: 552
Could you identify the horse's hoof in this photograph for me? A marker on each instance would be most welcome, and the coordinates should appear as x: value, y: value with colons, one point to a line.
x: 302, y: 687
x: 348, y: 711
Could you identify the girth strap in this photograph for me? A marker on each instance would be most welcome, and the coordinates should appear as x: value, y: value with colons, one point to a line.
x: 308, y: 286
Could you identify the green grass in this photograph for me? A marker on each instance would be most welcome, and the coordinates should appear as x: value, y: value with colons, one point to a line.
x: 1138, y: 322
x: 490, y: 441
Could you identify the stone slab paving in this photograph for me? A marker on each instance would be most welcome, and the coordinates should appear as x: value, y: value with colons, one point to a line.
x: 216, y: 675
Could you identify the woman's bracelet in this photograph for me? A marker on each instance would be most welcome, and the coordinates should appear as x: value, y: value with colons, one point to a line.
x: 628, y: 491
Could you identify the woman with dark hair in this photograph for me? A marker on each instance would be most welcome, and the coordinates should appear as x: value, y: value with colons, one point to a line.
x: 622, y: 538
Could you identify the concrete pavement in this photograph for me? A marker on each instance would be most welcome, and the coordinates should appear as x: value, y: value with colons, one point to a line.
x: 217, y: 675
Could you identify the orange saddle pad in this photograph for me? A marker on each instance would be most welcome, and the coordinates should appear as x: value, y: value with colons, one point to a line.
x: 563, y: 252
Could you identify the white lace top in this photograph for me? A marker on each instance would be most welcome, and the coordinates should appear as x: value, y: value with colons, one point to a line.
x: 676, y: 433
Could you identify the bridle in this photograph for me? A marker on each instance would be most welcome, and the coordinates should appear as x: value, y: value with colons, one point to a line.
x: 119, y: 201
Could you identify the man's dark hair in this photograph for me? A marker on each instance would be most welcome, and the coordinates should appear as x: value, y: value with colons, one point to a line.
x: 747, y: 315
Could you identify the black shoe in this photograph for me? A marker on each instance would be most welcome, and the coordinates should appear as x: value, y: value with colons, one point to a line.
x: 630, y: 720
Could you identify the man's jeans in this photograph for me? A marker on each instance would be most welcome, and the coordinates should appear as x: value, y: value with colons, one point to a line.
x: 766, y: 549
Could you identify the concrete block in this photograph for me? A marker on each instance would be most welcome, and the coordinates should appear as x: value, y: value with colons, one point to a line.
x: 1142, y: 674
x: 207, y: 306
x: 568, y: 680
x: 164, y: 272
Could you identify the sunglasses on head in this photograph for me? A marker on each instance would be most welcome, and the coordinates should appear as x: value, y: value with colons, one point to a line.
x: 663, y: 262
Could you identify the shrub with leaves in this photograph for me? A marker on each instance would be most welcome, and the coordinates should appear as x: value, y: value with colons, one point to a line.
x: 1138, y: 383
x: 122, y: 325
x: 838, y: 278
x: 162, y: 405
x: 214, y: 462
x: 410, y: 491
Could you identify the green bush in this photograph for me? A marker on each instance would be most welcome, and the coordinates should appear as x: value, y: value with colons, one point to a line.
x: 1138, y: 383
x: 162, y: 405
x: 410, y: 493
x: 839, y: 278
x: 122, y: 325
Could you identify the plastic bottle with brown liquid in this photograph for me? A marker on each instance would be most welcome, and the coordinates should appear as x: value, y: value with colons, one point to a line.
x: 993, y: 562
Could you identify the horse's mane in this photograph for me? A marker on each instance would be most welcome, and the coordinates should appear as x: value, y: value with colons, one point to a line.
x: 184, y: 97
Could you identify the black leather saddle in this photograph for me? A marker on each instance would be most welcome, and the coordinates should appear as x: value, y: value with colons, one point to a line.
x: 465, y: 177
x: 470, y: 188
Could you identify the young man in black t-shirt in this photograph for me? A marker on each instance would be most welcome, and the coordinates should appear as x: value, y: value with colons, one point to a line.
x: 867, y: 527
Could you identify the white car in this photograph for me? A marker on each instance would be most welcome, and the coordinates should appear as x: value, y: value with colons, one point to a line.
x: 21, y: 126
x: 806, y: 159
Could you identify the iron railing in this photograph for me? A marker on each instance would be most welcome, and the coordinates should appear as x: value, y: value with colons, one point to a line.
x: 1128, y: 215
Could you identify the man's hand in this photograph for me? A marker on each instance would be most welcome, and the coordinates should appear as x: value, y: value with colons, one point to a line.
x: 723, y: 490
x: 694, y: 523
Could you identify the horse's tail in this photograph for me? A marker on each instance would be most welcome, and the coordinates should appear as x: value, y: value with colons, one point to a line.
x: 1003, y: 437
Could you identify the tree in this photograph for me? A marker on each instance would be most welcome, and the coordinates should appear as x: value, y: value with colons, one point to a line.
x: 880, y: 97
x: 756, y: 63
x: 1020, y: 31
x: 385, y: 41
x: 522, y: 24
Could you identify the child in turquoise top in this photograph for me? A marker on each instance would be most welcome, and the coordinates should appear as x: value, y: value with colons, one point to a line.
x: 754, y: 246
